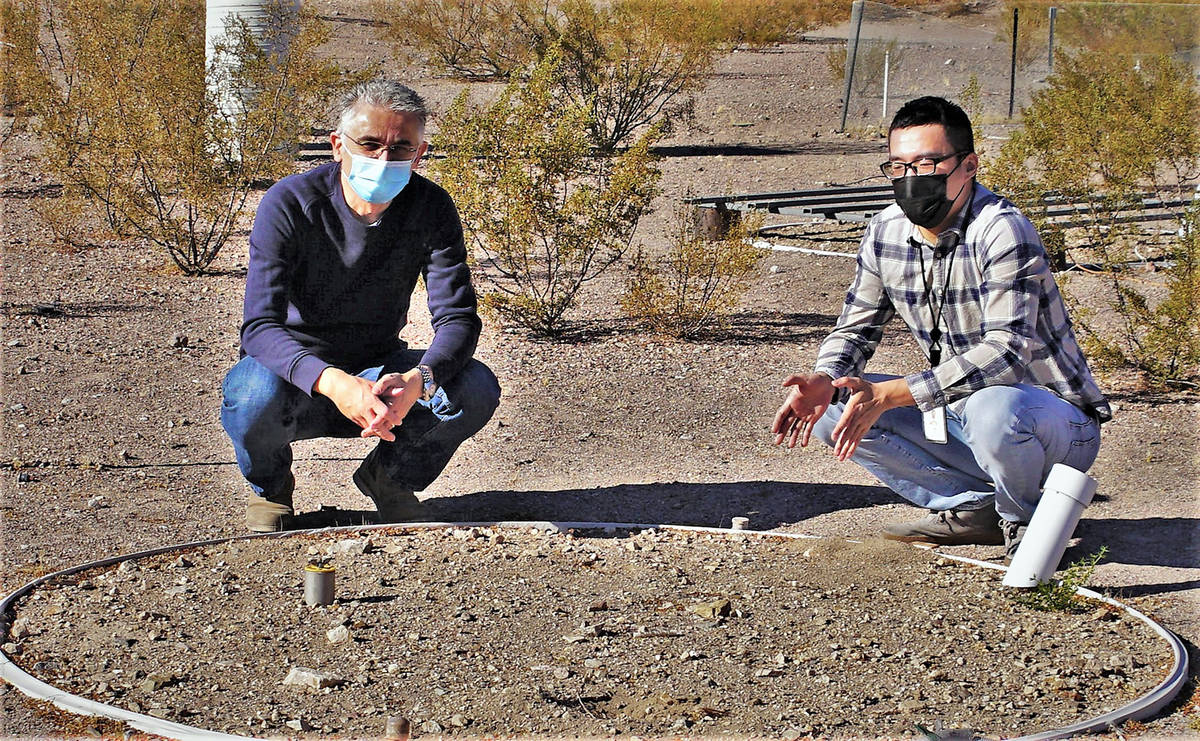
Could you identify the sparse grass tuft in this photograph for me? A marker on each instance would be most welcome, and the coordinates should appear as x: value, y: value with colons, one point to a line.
x: 1059, y: 596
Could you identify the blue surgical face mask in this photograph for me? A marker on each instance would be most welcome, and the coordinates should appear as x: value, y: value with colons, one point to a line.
x: 378, y: 180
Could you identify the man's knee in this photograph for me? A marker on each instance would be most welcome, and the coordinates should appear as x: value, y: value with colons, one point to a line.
x: 478, y: 391
x: 251, y: 393
x: 996, y: 417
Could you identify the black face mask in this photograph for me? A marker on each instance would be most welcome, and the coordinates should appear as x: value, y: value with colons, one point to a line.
x: 923, y: 197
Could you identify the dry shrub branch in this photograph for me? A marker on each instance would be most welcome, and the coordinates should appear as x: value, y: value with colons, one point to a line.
x: 548, y: 211
x: 697, y: 282
x: 141, y: 133
x: 633, y: 63
x: 1107, y: 132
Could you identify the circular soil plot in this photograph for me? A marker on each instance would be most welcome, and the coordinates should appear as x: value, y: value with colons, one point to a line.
x: 506, y: 630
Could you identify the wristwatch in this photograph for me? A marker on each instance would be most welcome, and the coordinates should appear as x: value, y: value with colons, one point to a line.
x: 429, y: 386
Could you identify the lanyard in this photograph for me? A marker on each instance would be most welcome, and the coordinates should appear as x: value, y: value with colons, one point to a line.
x: 935, y: 334
x: 949, y: 243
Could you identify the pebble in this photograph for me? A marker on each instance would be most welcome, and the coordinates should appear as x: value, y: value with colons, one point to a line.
x: 304, y: 677
x: 352, y: 546
x: 339, y: 634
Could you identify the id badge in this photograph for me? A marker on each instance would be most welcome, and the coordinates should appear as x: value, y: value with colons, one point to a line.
x: 934, y: 422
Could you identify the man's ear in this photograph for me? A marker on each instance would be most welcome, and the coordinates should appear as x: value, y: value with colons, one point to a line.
x: 335, y: 144
x: 421, y: 150
x: 972, y: 163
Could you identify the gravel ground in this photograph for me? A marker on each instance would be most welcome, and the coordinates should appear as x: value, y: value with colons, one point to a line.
x: 485, y: 631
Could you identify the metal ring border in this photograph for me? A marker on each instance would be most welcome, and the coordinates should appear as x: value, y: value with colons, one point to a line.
x: 1143, y: 707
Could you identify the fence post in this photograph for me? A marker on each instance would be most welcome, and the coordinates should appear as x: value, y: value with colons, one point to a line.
x: 856, y: 14
x: 1012, y: 70
x: 1053, y: 19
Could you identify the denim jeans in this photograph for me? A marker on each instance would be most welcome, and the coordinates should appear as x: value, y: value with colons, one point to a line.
x: 263, y: 414
x: 1002, y: 442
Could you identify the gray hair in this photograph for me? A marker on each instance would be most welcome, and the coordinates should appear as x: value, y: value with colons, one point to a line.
x: 384, y: 93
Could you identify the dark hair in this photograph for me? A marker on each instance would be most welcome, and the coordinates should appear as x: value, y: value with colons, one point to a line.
x: 934, y: 110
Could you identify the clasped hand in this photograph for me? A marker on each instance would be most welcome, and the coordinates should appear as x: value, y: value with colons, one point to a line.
x: 377, y: 406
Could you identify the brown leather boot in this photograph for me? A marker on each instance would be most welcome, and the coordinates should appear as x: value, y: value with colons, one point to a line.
x: 269, y: 514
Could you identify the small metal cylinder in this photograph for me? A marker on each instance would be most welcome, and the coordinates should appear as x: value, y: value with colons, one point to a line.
x: 318, y: 584
x: 740, y: 523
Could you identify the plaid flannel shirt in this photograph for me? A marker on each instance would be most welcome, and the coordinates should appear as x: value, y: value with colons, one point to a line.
x: 1003, y: 321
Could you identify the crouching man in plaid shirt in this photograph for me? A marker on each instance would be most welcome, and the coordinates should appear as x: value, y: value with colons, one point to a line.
x: 1007, y: 393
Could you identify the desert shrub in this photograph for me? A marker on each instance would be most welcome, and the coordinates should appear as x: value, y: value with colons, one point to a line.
x: 1139, y: 28
x: 547, y: 210
x: 130, y: 121
x: 1106, y: 132
x: 632, y: 63
x: 697, y: 282
x: 756, y: 23
x: 469, y: 38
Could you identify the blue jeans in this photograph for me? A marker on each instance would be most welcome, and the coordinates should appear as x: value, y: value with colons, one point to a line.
x: 263, y: 414
x: 1002, y: 442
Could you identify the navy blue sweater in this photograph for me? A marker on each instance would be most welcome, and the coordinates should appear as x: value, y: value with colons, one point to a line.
x: 325, y: 289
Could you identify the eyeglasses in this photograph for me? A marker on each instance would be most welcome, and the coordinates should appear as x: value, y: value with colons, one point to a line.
x: 894, y: 169
x: 373, y: 148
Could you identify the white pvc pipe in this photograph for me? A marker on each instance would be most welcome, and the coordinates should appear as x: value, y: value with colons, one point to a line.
x: 887, y: 68
x: 1143, y: 707
x: 1064, y: 495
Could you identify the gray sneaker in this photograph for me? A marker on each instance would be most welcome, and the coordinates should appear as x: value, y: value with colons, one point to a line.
x: 393, y: 503
x: 950, y: 527
x: 1013, y: 533
x: 269, y: 514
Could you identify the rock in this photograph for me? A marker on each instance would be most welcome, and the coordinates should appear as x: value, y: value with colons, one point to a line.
x: 562, y: 672
x: 19, y: 629
x: 691, y: 655
x: 711, y: 610
x: 339, y: 634
x: 910, y: 706
x: 352, y: 546
x: 181, y: 563
x: 304, y: 677
x: 398, y: 728
x: 299, y: 724
x: 459, y: 720
x: 431, y: 726
x: 96, y: 502
x: 155, y: 682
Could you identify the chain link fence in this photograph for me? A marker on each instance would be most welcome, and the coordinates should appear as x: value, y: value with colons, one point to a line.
x: 896, y: 54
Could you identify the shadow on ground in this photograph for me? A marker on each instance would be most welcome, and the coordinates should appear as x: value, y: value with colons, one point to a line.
x: 1172, y: 542
x: 768, y: 504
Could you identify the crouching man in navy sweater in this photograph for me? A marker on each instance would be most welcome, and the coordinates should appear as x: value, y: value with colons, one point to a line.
x: 334, y: 256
